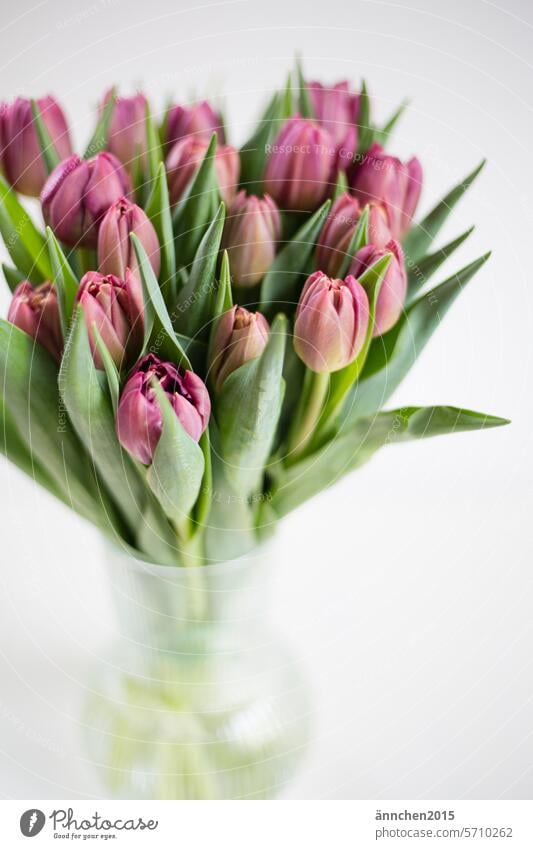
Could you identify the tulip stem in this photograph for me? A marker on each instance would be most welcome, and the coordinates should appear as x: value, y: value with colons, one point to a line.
x: 309, y: 410
x: 192, y: 559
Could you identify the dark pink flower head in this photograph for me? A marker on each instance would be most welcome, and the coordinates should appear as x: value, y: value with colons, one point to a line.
x: 240, y: 336
x: 331, y: 322
x: 199, y: 120
x: 108, y: 303
x: 20, y: 150
x: 252, y: 229
x: 139, y: 419
x: 387, y: 180
x: 336, y: 234
x: 391, y: 298
x: 36, y: 311
x: 301, y: 165
x: 78, y: 193
x: 127, y: 129
x: 185, y: 159
x: 336, y: 108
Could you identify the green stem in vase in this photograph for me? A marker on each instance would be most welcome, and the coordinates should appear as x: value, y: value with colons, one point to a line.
x: 308, y: 413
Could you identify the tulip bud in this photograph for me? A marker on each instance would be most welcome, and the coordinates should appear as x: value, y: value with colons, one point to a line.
x: 115, y: 250
x: 139, y: 419
x: 240, y: 336
x: 199, y: 120
x: 185, y: 159
x: 108, y: 303
x: 127, y: 129
x: 391, y: 298
x: 339, y: 227
x: 331, y: 322
x: 389, y: 181
x: 35, y: 310
x: 78, y: 193
x: 301, y: 165
x: 336, y: 109
x: 252, y: 229
x: 21, y: 157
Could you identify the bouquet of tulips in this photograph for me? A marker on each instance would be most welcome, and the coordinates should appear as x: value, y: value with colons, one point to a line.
x: 200, y: 338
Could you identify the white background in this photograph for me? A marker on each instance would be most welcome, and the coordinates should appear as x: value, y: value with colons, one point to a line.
x: 406, y: 590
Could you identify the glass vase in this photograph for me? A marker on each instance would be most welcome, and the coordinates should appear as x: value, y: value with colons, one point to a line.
x: 199, y: 699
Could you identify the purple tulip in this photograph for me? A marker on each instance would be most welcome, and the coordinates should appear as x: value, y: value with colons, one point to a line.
x: 139, y: 419
x: 115, y: 250
x: 107, y: 302
x: 389, y: 181
x: 337, y: 110
x: 185, y: 159
x: 301, y: 165
x: 127, y: 130
x: 199, y: 120
x: 391, y: 298
x: 252, y: 229
x: 240, y: 336
x: 78, y: 193
x: 331, y: 322
x: 20, y: 150
x: 35, y: 310
x: 339, y: 227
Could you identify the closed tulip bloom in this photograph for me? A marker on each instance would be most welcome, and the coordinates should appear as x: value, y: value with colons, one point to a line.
x: 336, y: 234
x: 115, y: 250
x: 108, y: 303
x: 301, y: 165
x: 253, y: 227
x: 379, y: 232
x: 331, y: 322
x: 78, y: 193
x: 199, y: 120
x: 240, y: 336
x: 391, y: 298
x: 185, y: 159
x: 20, y: 155
x: 336, y: 108
x: 139, y: 419
x: 127, y: 130
x: 389, y: 181
x: 35, y: 310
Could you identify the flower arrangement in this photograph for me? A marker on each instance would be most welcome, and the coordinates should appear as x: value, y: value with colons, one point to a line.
x: 200, y: 338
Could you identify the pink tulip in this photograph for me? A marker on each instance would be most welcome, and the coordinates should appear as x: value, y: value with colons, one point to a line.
x: 199, y: 120
x: 391, y: 298
x: 240, y: 336
x: 252, y: 229
x: 127, y: 130
x: 35, y: 310
x: 301, y: 165
x: 389, y: 181
x: 139, y: 419
x: 108, y: 303
x: 21, y: 159
x: 185, y: 159
x: 331, y: 322
x: 78, y: 193
x: 336, y: 108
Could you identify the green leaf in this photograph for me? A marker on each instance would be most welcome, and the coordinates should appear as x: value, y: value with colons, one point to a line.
x: 341, y: 185
x: 175, y: 475
x: 343, y: 380
x: 86, y: 399
x: 154, y: 157
x: 382, y: 135
x: 203, y: 505
x: 195, y: 211
x: 111, y: 371
x: 196, y: 300
x: 359, y: 240
x: 392, y: 355
x: 419, y: 273
x: 157, y: 323
x: 305, y: 105
x: 65, y: 280
x: 98, y: 140
x: 248, y: 410
x: 49, y: 154
x: 158, y: 211
x: 366, y: 131
x: 283, y: 281
x: 420, y: 237
x: 25, y: 244
x: 355, y: 445
x: 224, y: 298
x: 13, y: 276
